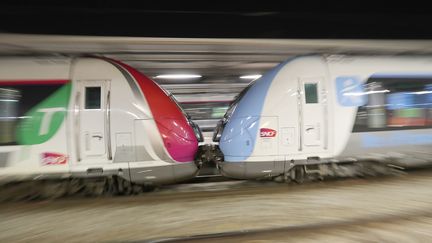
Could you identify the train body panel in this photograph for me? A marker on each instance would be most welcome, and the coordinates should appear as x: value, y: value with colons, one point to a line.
x: 39, y: 74
x: 317, y: 109
x: 391, y: 121
x: 91, y: 118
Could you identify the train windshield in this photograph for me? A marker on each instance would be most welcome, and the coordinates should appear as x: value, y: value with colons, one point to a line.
x: 178, y: 105
x: 237, y: 99
x: 221, y: 124
x: 197, y: 130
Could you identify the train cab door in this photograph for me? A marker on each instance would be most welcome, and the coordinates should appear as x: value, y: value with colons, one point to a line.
x: 312, y: 117
x: 93, y: 121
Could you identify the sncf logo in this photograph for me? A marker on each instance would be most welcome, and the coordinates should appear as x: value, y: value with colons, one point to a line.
x: 267, y: 133
x: 53, y: 159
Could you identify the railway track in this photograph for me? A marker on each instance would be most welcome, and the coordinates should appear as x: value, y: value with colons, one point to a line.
x: 378, y: 209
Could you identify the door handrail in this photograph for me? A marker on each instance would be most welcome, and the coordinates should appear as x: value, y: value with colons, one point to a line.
x: 108, y: 124
x: 77, y: 128
x: 300, y: 114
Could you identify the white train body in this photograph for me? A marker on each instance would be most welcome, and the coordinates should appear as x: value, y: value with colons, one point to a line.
x: 63, y: 117
x: 315, y: 109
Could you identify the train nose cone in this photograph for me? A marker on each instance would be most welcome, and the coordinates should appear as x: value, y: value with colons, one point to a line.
x: 238, y: 138
x: 177, y: 135
x: 179, y: 140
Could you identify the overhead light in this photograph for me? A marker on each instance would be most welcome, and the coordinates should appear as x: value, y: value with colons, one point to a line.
x: 178, y: 76
x: 254, y: 76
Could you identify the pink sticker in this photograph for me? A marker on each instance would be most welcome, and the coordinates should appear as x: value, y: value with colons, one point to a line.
x: 49, y: 158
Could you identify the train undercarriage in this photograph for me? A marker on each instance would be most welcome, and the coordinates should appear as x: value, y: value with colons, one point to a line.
x: 209, y: 159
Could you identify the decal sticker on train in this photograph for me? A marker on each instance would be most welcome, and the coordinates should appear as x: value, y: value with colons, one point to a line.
x: 43, y: 121
x: 350, y: 91
x: 267, y: 133
x: 49, y: 158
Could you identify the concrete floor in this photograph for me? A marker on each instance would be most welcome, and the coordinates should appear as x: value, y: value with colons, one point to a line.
x: 353, y: 210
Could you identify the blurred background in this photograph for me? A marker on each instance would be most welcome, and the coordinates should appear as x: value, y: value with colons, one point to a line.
x: 205, y: 55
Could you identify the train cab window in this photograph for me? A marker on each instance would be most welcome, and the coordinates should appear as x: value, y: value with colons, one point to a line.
x: 311, y: 93
x: 395, y: 104
x: 93, y: 97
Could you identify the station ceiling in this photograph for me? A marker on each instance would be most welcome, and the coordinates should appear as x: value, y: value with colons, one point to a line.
x: 210, y: 40
x: 220, y: 61
x: 218, y: 41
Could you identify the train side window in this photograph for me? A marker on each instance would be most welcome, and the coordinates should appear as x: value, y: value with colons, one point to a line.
x: 408, y: 105
x: 396, y: 103
x: 16, y: 101
x: 9, y: 109
x: 93, y: 97
x: 311, y: 93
